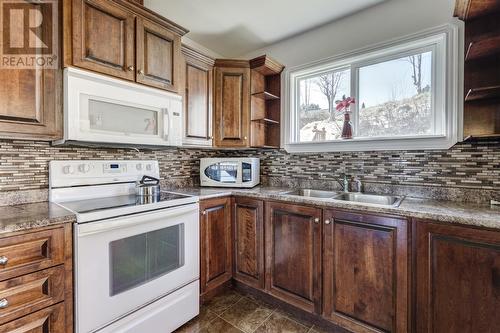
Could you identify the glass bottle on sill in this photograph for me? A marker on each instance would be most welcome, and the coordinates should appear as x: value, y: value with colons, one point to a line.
x: 347, y: 128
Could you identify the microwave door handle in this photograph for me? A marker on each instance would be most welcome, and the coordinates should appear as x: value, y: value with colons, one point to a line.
x: 240, y: 173
x: 166, y: 125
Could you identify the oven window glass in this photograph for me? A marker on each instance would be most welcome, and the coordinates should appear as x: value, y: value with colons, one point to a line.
x: 246, y: 173
x: 116, y: 118
x: 138, y: 259
x: 223, y: 172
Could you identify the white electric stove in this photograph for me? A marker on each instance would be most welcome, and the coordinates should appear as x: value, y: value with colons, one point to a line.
x: 136, y: 258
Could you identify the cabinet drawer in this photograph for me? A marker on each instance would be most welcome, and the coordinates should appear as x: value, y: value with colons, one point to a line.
x: 26, y: 253
x: 48, y: 320
x: 29, y: 293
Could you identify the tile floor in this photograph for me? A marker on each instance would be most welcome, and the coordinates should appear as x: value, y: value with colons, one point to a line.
x: 233, y: 312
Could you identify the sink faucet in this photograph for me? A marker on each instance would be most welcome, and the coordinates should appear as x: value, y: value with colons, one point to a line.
x: 345, y: 183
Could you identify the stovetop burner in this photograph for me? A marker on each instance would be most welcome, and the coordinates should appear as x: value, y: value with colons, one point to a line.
x: 99, y: 204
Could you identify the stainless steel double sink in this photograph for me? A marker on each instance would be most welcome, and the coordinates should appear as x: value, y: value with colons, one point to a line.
x: 371, y: 199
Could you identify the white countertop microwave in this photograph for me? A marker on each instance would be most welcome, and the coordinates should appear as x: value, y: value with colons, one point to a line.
x: 103, y: 110
x: 230, y: 172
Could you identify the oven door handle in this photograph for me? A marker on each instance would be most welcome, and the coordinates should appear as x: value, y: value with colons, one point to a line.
x: 87, y: 229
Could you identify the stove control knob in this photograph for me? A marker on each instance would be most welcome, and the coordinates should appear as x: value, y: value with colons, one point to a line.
x: 138, y: 166
x: 68, y: 169
x: 149, y: 167
x: 84, y: 168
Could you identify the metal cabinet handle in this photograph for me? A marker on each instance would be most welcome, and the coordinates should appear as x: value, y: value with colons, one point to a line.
x: 327, y: 221
x: 131, y: 68
x: 4, y: 303
x: 4, y: 260
x: 245, y: 138
x: 316, y: 220
x: 204, y: 212
x: 141, y: 72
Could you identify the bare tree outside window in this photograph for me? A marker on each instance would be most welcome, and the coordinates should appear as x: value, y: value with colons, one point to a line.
x: 416, y: 64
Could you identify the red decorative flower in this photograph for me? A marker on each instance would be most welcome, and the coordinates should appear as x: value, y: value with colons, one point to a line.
x: 344, y: 103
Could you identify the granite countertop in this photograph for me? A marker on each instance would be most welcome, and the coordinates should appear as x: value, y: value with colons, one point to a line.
x: 32, y: 215
x: 441, y: 211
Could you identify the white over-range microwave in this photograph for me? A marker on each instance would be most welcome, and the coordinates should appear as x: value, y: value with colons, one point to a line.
x: 104, y: 110
x: 230, y: 172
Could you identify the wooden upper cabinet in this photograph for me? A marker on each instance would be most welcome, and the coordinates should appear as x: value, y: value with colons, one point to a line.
x: 458, y: 279
x: 215, y: 243
x: 365, y: 272
x: 31, y: 103
x: 232, y: 103
x: 198, y: 89
x: 103, y: 38
x: 158, y: 55
x: 293, y: 254
x: 249, y: 241
x: 123, y: 39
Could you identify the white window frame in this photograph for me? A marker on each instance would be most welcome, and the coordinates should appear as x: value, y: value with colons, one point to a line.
x: 447, y: 75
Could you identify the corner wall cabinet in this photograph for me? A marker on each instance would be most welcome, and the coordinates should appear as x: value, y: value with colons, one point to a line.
x: 198, y: 91
x: 481, y: 68
x: 123, y: 39
x: 247, y: 103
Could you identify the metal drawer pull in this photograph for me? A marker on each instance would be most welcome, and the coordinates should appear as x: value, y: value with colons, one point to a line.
x: 327, y: 221
x: 316, y: 220
x: 4, y: 303
x: 4, y: 260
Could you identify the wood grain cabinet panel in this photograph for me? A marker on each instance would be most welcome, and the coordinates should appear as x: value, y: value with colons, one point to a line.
x: 158, y: 54
x: 103, y: 38
x: 31, y: 103
x: 31, y: 292
x: 365, y: 269
x: 458, y: 279
x: 216, y: 249
x: 249, y: 242
x: 49, y: 320
x: 198, y: 99
x: 232, y: 105
x: 293, y: 254
x: 29, y: 252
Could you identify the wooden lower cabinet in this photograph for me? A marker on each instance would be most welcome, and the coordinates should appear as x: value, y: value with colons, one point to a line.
x: 215, y: 243
x: 365, y: 272
x: 48, y: 320
x: 293, y: 254
x: 248, y: 227
x: 36, y: 281
x: 458, y: 279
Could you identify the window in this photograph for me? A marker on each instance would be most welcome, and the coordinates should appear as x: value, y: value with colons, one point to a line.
x: 406, y: 97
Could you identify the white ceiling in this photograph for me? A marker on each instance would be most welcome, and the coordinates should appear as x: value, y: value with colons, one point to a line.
x: 234, y: 27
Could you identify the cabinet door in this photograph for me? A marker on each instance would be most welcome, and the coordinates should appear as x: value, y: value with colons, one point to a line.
x: 216, y: 250
x: 232, y: 105
x: 365, y: 267
x: 293, y: 254
x: 31, y: 103
x: 458, y: 279
x: 103, y: 38
x: 158, y: 56
x: 198, y: 99
x: 249, y: 241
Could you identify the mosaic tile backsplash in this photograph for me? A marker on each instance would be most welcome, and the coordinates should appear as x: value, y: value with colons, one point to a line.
x: 467, y: 166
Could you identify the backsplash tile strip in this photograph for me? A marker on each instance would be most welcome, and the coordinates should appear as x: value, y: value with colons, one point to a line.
x: 24, y: 166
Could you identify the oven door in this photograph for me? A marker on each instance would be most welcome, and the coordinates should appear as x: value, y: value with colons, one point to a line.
x: 124, y: 263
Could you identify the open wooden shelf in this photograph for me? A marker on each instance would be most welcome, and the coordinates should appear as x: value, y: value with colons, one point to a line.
x: 265, y: 104
x: 265, y: 95
x: 483, y: 93
x: 471, y: 9
x: 484, y: 47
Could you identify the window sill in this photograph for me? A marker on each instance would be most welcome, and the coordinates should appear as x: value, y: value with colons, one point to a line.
x: 372, y: 144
